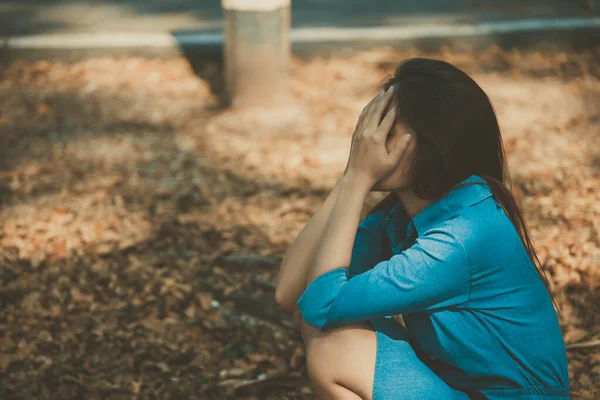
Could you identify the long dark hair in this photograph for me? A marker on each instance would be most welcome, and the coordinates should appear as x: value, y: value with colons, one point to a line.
x: 457, y: 135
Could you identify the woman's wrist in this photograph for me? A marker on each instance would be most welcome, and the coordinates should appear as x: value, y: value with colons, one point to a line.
x: 357, y: 180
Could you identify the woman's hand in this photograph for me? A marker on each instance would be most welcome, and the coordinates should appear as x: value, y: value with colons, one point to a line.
x: 369, y: 159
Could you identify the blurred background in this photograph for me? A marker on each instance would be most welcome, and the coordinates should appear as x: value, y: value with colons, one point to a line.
x: 157, y: 159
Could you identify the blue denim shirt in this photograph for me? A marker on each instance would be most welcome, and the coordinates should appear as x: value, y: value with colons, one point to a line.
x: 472, y: 299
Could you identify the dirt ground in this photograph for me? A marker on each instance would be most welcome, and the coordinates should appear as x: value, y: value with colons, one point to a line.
x: 142, y: 224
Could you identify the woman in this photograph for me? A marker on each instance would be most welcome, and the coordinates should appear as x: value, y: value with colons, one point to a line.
x: 447, y: 249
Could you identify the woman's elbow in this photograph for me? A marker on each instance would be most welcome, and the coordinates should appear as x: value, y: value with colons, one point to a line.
x: 283, y: 299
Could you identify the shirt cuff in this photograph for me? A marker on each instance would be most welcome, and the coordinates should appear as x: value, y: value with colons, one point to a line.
x: 316, y: 301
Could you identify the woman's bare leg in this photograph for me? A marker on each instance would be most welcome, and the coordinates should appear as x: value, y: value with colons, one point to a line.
x: 341, y: 362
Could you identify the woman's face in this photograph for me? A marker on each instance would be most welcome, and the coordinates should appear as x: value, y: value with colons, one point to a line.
x: 398, y: 179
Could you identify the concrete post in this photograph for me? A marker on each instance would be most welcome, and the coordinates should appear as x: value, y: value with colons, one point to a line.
x: 256, y: 52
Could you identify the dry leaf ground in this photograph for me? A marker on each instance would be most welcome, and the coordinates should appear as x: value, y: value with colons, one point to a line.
x: 142, y: 224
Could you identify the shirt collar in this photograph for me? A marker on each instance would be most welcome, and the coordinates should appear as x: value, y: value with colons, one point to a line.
x: 457, y: 198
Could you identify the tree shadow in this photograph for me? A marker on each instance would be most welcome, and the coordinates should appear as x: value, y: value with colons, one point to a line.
x: 151, y: 305
x: 206, y: 61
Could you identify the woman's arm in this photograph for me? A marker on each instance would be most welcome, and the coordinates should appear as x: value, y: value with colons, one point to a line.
x: 335, y: 248
x: 433, y: 273
x: 369, y: 248
x: 369, y: 162
x: 293, y: 272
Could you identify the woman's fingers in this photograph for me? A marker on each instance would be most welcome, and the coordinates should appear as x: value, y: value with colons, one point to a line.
x: 374, y: 100
x: 379, y: 107
x: 365, y: 114
x: 370, y: 107
x: 387, y: 123
x: 401, y: 146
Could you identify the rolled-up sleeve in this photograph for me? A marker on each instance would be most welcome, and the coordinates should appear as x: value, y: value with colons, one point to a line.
x: 432, y: 273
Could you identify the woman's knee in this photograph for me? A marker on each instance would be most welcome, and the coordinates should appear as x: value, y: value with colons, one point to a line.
x: 332, y: 354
